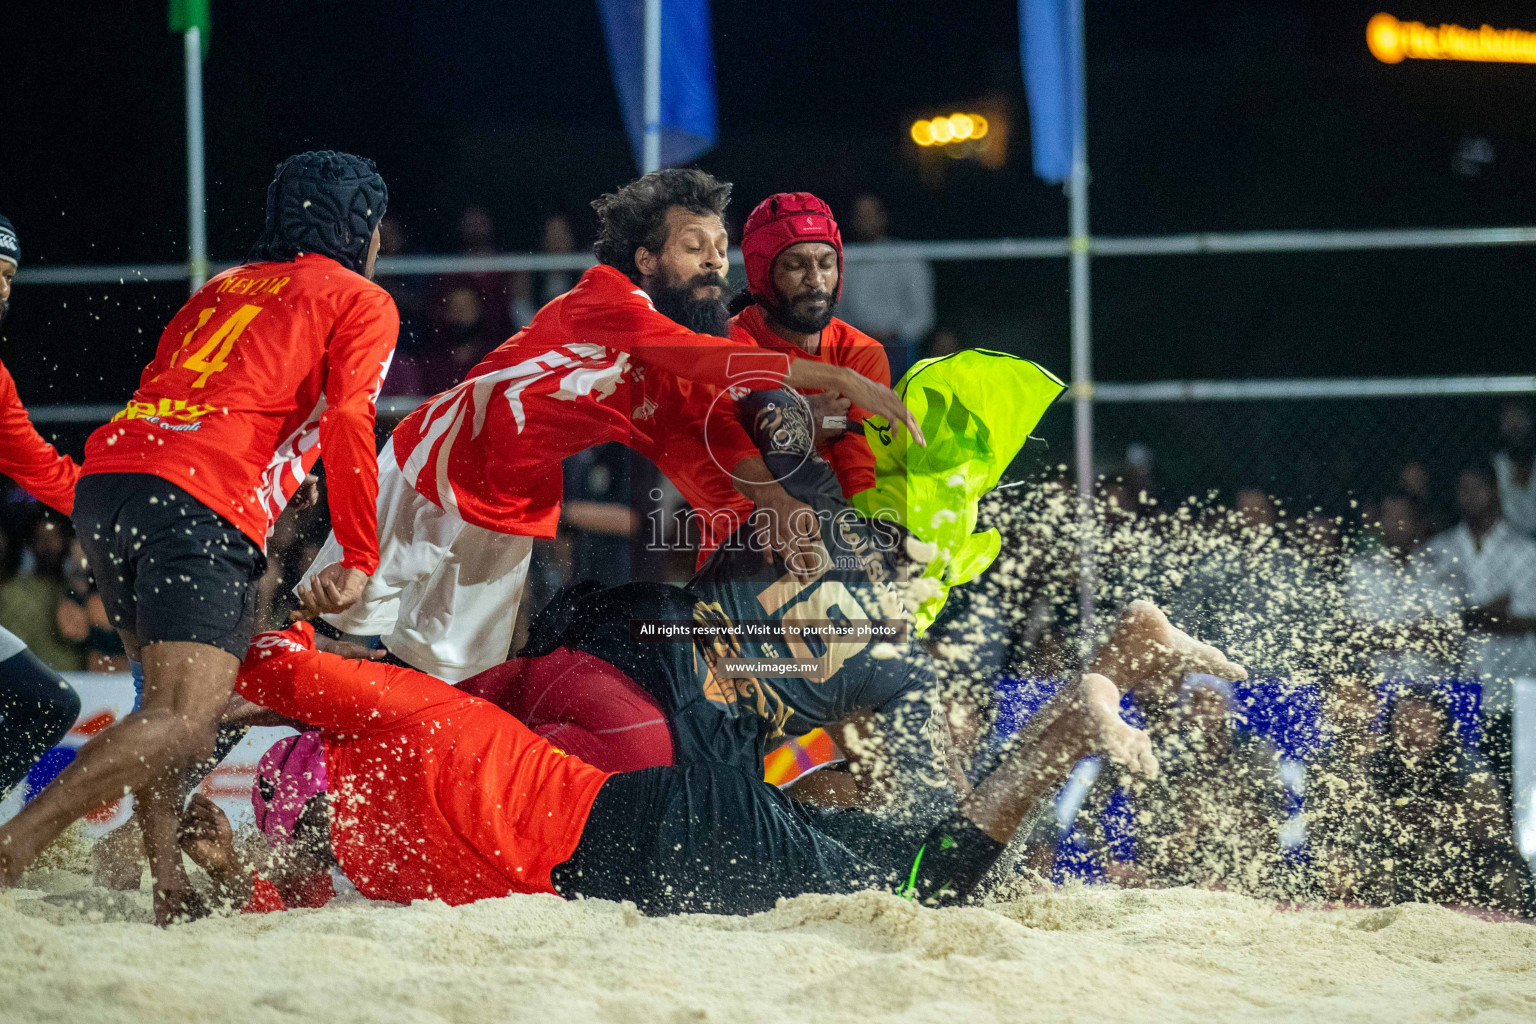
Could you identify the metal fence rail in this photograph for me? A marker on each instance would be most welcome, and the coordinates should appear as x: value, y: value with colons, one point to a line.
x: 1105, y: 392
x: 1303, y: 389
x: 880, y: 252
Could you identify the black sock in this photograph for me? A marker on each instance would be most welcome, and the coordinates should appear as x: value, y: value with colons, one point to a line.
x: 951, y: 861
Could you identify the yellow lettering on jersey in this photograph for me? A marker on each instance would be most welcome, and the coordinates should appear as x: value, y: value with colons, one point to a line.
x: 253, y: 285
x: 223, y: 339
x: 164, y: 409
x: 202, y: 321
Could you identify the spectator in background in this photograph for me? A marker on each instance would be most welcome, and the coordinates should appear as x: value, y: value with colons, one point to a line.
x: 412, y: 295
x: 471, y: 312
x: 1236, y: 591
x: 30, y: 597
x: 1405, y: 626
x: 597, y: 514
x: 464, y: 334
x: 1493, y: 569
x: 1512, y: 467
x: 1413, y: 482
x: 893, y: 302
x: 1446, y: 838
x: 83, y: 618
x: 532, y: 291
x: 943, y: 342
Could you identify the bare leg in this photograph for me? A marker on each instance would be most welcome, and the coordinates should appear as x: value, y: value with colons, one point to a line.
x: 1083, y: 720
x: 186, y: 687
x: 1145, y: 654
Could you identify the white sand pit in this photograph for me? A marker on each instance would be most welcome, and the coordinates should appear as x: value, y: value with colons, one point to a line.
x: 1084, y: 954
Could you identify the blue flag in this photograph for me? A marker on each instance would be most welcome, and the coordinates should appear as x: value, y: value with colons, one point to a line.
x: 1051, y: 80
x: 688, y: 125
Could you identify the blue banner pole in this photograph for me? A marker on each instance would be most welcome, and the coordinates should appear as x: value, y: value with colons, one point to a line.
x: 651, y: 160
x: 1082, y: 332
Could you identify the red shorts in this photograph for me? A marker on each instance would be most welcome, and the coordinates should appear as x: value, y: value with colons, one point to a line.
x: 583, y: 705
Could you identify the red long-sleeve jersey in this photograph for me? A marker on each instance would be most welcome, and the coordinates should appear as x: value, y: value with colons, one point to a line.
x: 595, y: 365
x: 701, y: 461
x: 29, y: 460
x: 699, y: 450
x: 435, y: 794
x: 266, y: 365
x: 841, y: 345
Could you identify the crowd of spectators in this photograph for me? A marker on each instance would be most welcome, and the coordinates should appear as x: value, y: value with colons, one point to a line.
x: 1370, y: 757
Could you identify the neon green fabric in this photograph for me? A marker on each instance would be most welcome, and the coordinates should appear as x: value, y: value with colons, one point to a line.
x: 976, y: 409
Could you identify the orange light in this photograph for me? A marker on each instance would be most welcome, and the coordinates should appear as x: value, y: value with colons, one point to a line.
x: 956, y: 128
x: 1390, y: 41
x: 1384, y: 39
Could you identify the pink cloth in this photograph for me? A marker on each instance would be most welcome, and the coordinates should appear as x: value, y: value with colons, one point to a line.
x: 289, y: 773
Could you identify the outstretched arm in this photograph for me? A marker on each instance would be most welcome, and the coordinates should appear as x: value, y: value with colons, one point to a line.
x: 29, y: 460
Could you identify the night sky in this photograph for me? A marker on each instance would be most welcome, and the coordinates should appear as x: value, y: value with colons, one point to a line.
x: 1203, y: 116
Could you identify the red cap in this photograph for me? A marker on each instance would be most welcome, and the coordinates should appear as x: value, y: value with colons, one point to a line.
x: 780, y: 221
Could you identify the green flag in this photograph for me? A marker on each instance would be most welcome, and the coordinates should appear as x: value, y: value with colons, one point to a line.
x: 976, y: 409
x: 190, y: 14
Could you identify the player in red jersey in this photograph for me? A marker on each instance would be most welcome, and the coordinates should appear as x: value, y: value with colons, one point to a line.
x: 472, y: 477
x: 37, y: 706
x: 794, y: 256
x: 428, y: 792
x: 265, y: 365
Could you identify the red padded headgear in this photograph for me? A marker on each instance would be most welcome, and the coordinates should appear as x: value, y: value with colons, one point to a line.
x: 778, y: 222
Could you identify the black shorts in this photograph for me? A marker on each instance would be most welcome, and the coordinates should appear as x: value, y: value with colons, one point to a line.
x: 169, y: 568
x: 707, y: 838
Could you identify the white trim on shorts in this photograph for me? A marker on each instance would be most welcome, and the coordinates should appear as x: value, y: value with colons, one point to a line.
x: 445, y: 595
x: 10, y: 644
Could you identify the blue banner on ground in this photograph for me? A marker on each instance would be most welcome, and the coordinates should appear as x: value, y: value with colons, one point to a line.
x: 688, y: 120
x: 1051, y: 81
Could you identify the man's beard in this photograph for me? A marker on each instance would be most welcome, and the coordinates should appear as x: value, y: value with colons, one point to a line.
x: 795, y: 315
x: 702, y: 316
x: 5, y: 307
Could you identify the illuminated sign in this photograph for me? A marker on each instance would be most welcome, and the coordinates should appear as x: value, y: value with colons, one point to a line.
x: 1392, y: 41
x: 941, y: 131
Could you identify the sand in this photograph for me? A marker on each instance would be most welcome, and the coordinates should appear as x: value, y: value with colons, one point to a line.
x: 1080, y: 954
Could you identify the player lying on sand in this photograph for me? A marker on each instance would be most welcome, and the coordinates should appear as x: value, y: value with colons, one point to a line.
x: 434, y: 793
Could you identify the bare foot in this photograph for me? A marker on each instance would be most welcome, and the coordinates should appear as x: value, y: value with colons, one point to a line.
x: 1146, y: 654
x: 1124, y: 743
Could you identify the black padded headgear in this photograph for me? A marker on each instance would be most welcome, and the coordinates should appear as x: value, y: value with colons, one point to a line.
x: 10, y: 245
x: 322, y: 202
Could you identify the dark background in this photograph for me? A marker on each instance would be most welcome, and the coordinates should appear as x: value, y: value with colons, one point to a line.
x: 1203, y: 116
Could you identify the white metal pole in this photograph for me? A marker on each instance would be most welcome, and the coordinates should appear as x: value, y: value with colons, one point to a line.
x: 652, y: 161
x: 197, y: 200
x: 1082, y: 338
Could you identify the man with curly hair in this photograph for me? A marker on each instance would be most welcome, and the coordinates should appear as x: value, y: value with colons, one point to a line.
x: 472, y: 477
